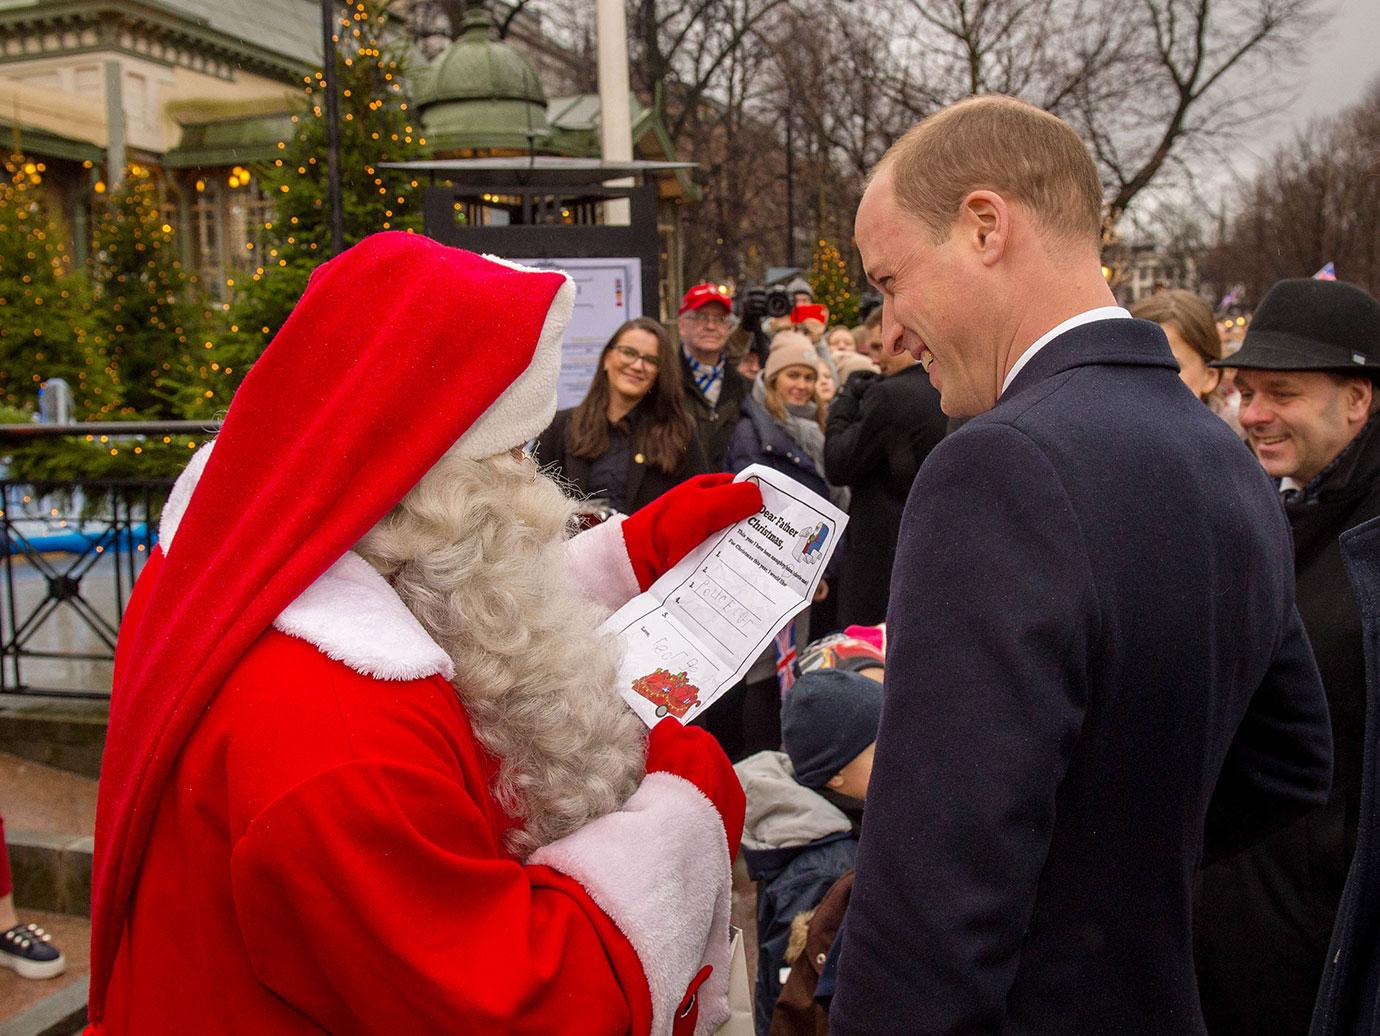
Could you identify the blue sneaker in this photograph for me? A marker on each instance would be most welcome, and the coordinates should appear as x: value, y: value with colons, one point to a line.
x: 29, y: 950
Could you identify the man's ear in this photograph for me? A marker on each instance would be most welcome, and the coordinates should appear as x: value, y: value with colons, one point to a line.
x: 1360, y: 393
x: 835, y: 782
x: 985, y: 219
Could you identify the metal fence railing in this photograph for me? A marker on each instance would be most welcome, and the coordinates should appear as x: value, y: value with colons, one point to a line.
x: 72, y: 551
x: 69, y: 555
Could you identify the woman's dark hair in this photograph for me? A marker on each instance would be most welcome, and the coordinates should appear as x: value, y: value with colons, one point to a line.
x: 666, y: 427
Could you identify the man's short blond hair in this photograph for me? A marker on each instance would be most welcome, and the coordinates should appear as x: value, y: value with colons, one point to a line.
x: 1004, y: 145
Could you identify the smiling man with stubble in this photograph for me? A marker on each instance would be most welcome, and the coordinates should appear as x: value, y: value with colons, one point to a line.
x: 1308, y: 404
x: 1078, y: 706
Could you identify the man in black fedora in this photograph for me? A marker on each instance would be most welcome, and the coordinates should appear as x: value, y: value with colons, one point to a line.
x: 1308, y: 400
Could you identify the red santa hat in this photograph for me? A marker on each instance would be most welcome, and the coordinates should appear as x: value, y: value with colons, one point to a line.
x: 400, y: 350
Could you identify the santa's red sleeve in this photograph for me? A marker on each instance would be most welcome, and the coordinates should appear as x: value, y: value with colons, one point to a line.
x: 406, y: 921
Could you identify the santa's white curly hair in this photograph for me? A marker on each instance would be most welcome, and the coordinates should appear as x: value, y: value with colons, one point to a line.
x: 476, y: 550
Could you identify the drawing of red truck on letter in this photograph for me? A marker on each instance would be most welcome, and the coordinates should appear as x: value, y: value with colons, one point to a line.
x: 670, y: 692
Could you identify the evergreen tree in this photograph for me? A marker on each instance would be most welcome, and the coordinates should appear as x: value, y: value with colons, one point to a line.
x: 832, y: 285
x: 141, y: 305
x: 46, y: 328
x: 376, y: 126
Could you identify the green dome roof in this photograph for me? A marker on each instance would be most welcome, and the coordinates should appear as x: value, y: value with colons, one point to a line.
x: 481, y: 93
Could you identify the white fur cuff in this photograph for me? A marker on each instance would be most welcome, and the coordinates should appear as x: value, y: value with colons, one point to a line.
x: 526, y: 406
x: 659, y: 868
x: 600, y: 567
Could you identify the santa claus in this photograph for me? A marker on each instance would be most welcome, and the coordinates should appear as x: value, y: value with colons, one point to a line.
x: 367, y: 769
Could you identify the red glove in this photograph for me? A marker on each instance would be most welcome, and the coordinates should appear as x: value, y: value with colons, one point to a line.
x: 691, y: 753
x: 678, y: 521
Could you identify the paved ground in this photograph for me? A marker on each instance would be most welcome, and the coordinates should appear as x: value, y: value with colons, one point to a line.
x: 39, y: 798
x: 73, y: 936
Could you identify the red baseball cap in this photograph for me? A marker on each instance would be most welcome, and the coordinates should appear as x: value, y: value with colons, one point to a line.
x: 703, y: 294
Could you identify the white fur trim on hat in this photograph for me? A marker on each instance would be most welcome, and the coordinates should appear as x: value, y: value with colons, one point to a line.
x: 181, y: 496
x: 527, y: 405
x: 659, y: 868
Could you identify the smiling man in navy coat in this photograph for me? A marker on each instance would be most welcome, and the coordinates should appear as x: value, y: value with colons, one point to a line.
x: 1096, y: 676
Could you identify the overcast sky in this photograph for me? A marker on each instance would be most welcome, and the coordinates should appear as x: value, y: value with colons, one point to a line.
x: 1344, y: 60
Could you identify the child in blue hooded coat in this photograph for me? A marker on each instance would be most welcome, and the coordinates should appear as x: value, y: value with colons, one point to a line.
x: 804, y: 810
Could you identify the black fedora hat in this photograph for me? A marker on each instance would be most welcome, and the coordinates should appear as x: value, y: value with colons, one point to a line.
x: 1310, y: 325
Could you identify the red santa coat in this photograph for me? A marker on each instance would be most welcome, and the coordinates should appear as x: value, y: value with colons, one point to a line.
x: 327, y: 856
x: 295, y: 832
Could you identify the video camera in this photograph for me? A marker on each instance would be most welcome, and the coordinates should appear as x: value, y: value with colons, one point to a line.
x: 755, y: 304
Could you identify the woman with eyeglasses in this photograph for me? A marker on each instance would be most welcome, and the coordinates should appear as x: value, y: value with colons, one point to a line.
x: 631, y: 438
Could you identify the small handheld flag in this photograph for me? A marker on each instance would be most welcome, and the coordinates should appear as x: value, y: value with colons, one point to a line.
x: 1327, y: 273
x: 784, y: 643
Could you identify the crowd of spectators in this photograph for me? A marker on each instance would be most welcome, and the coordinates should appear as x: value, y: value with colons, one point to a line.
x: 1096, y: 657
x: 854, y: 422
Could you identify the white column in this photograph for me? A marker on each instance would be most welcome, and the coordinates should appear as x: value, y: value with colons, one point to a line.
x: 114, y: 123
x: 615, y: 115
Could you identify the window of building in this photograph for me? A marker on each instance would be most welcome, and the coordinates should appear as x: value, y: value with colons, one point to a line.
x: 206, y: 234
x: 87, y: 79
x: 138, y: 111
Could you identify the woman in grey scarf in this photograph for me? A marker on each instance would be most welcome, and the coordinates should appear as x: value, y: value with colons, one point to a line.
x: 783, y: 422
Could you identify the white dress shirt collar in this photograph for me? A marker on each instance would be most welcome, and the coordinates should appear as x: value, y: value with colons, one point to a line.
x: 1086, y: 317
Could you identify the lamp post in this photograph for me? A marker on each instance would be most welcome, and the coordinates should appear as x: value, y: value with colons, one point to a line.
x: 332, y: 125
x: 615, y: 115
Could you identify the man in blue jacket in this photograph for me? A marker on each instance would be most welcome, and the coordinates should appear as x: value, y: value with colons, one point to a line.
x: 1097, y: 676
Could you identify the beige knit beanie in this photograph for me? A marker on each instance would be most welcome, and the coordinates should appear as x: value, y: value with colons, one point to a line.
x: 790, y: 349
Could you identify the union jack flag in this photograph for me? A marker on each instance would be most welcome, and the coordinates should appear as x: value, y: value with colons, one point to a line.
x: 784, y: 642
x: 1327, y: 273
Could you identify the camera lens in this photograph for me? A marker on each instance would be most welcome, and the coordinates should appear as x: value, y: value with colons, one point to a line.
x: 778, y: 302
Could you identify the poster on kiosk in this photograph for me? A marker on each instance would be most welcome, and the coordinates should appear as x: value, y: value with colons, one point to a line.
x: 608, y: 293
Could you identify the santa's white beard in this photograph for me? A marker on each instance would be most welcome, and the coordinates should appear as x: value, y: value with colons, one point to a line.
x: 477, y: 552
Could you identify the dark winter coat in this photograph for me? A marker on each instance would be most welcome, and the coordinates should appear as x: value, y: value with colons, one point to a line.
x: 642, y: 482
x: 1095, y: 674
x: 879, y: 432
x: 760, y: 439
x: 1265, y: 916
x: 796, y: 844
x: 802, y: 1008
x: 1349, y: 996
x: 715, y: 422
